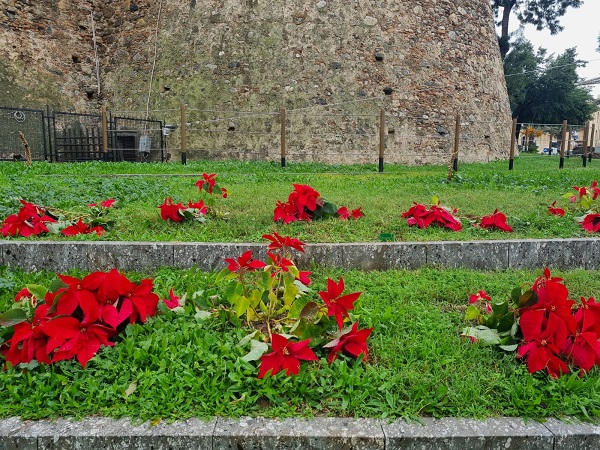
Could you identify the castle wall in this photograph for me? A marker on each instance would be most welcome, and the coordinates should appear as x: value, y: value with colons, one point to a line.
x: 333, y: 65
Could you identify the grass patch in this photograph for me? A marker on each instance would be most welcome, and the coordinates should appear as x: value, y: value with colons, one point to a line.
x: 175, y: 366
x: 476, y: 190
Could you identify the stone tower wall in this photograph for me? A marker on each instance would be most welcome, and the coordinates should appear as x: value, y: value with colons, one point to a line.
x: 332, y: 65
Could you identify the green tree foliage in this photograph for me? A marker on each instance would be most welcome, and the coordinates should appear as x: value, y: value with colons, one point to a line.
x: 541, y: 13
x: 520, y: 67
x: 544, y: 89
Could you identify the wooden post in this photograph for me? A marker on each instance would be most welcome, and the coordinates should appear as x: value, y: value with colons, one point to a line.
x: 456, y: 143
x: 381, y: 138
x: 563, y: 141
x: 283, y: 142
x: 183, y: 134
x: 104, y: 133
x: 592, y: 142
x: 584, y: 147
x: 513, y: 138
x: 549, y: 143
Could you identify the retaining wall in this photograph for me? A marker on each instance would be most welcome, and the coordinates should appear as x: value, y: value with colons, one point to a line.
x: 140, y: 256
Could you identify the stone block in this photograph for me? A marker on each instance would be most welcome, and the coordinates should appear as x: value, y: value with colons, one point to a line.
x: 210, y: 256
x: 328, y: 255
x: 139, y: 256
x: 364, y: 256
x: 593, y: 255
x: 479, y: 255
x: 296, y: 434
x: 558, y: 253
x: 12, y: 436
x: 37, y: 255
x: 405, y: 255
x: 119, y: 434
x: 574, y: 436
x: 467, y: 434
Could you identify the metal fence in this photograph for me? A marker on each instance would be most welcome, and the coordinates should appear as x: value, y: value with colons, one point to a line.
x: 30, y: 122
x: 68, y: 137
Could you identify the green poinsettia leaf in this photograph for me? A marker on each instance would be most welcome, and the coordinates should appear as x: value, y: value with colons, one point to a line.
x: 202, y: 315
x: 309, y: 310
x: 472, y: 312
x: 483, y: 334
x: 515, y: 295
x: 247, y: 338
x: 37, y: 291
x: 297, y: 307
x: 233, y: 291
x: 241, y: 305
x: 187, y: 214
x: 225, y: 275
x: 528, y: 298
x: 257, y: 349
x: 57, y: 227
x: 500, y: 309
x: 12, y: 317
x: 29, y: 366
x: 509, y: 348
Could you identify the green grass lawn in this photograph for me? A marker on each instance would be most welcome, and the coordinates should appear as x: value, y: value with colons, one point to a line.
x: 176, y: 366
x: 476, y: 190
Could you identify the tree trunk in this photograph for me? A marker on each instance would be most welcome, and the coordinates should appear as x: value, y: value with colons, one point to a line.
x: 503, y: 41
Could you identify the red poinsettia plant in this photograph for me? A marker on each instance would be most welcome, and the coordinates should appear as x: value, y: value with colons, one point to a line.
x: 76, y: 319
x: 495, y: 221
x: 583, y: 203
x: 423, y: 216
x: 35, y: 220
x: 548, y: 331
x: 306, y: 204
x: 273, y: 298
x: 179, y: 212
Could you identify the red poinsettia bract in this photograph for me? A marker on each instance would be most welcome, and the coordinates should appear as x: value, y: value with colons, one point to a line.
x: 286, y: 356
x: 553, y: 210
x: 544, y: 339
x: 170, y: 211
x: 337, y: 304
x: 353, y: 342
x: 591, y: 223
x: 423, y: 217
x: 109, y: 203
x: 244, y: 263
x: 495, y: 220
x: 283, y: 243
x: 345, y: 214
x: 82, y: 228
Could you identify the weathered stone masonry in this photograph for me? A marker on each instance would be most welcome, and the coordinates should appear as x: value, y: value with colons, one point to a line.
x: 436, y: 57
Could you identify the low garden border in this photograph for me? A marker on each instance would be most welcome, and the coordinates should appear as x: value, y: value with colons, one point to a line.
x: 582, y: 253
x: 318, y: 433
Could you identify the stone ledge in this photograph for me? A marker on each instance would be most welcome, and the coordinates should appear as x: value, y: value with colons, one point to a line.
x: 298, y: 434
x: 140, y: 256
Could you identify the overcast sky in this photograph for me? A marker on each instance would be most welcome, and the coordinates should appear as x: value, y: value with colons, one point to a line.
x: 581, y: 30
